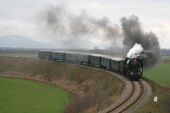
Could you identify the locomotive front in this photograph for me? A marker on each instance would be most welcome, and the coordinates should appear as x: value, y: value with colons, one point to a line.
x: 133, y: 68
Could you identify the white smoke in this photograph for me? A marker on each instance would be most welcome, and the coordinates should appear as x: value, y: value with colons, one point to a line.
x: 135, y: 51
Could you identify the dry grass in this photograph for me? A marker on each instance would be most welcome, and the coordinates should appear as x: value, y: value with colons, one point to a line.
x: 93, y: 89
x: 162, y: 106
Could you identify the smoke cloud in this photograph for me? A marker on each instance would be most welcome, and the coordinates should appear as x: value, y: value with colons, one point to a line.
x: 133, y: 34
x: 135, y: 51
x: 78, y: 28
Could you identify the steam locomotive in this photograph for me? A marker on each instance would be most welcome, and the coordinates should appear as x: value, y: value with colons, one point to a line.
x: 131, y: 68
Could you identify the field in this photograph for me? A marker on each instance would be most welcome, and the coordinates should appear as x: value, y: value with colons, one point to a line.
x: 92, y: 89
x: 25, y: 96
x: 160, y: 73
x: 162, y: 106
x: 83, y: 81
x: 22, y: 55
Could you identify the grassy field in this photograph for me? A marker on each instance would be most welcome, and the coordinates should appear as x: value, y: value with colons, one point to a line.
x: 21, y: 55
x: 160, y: 73
x: 162, y: 106
x: 24, y: 96
x: 92, y: 89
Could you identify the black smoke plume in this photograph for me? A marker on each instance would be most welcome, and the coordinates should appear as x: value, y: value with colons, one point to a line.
x: 133, y: 33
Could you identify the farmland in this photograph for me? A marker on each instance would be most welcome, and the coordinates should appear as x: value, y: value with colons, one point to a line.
x: 90, y: 87
x: 160, y: 73
x: 84, y: 81
x: 25, y: 96
x: 160, y: 76
x: 32, y: 55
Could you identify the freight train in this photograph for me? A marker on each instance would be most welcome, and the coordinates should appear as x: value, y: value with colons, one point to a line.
x: 129, y: 67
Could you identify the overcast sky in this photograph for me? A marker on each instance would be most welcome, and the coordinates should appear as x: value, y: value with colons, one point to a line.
x: 19, y: 17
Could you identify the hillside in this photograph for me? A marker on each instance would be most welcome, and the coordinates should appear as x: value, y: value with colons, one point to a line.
x: 17, y: 41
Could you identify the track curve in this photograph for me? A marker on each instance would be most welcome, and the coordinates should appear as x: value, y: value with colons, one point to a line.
x: 137, y: 93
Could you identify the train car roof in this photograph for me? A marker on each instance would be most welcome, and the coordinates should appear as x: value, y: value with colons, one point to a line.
x: 117, y: 58
x: 58, y: 51
x: 69, y: 52
x: 112, y: 57
x: 84, y: 53
x: 106, y: 56
x: 91, y: 54
x: 97, y: 55
x: 79, y: 53
x: 44, y: 51
x: 72, y: 52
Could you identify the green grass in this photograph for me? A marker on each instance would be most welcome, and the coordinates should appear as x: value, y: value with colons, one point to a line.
x: 160, y: 73
x: 25, y: 96
x: 166, y: 58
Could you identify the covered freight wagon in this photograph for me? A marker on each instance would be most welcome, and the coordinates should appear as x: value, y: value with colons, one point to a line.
x: 58, y: 55
x: 45, y: 54
x: 95, y: 60
x: 106, y: 62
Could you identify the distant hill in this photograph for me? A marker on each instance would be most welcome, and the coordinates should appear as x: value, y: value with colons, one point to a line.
x: 17, y: 41
x: 165, y: 52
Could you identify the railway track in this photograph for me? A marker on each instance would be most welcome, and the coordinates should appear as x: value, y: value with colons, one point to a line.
x: 135, y: 93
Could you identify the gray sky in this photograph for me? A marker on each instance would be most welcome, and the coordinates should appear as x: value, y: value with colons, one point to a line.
x: 20, y: 16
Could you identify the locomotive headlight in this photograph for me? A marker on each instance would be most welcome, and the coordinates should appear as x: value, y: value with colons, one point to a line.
x: 139, y: 73
x: 131, y: 73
